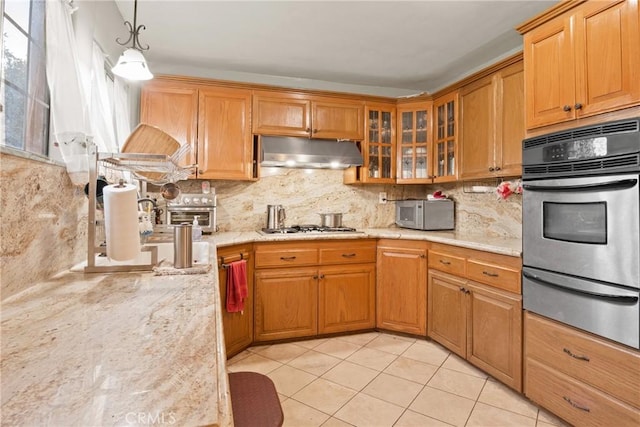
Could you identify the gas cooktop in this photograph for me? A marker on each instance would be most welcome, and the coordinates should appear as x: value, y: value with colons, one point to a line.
x: 309, y: 228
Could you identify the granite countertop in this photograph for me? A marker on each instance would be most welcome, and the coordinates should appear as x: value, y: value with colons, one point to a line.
x: 115, y: 349
x: 135, y: 348
x: 498, y: 245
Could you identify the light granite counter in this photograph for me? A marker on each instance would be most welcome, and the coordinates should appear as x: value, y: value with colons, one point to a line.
x: 115, y: 349
x: 498, y: 245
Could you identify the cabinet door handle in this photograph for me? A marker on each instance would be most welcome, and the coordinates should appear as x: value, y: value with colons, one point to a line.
x: 288, y: 258
x: 566, y: 108
x: 575, y: 356
x: 423, y: 256
x: 462, y: 289
x: 575, y: 405
x: 578, y: 106
x: 322, y: 276
x: 348, y: 255
x: 498, y: 168
x: 491, y: 169
x: 487, y: 273
x: 445, y: 262
x: 315, y: 276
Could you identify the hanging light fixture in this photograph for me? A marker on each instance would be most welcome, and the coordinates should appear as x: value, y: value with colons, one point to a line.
x: 131, y: 64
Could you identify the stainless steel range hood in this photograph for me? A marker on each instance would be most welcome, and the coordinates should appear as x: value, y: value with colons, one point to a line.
x: 292, y: 152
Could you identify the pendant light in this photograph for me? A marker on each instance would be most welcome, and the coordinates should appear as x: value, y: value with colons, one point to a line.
x: 131, y: 64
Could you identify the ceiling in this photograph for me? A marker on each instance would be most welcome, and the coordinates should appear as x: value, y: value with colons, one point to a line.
x: 403, y: 47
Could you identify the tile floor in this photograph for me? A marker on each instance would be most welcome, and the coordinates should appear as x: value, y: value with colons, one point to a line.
x: 377, y: 379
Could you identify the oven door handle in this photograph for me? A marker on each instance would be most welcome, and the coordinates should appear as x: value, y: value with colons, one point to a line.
x: 620, y: 298
x: 622, y: 184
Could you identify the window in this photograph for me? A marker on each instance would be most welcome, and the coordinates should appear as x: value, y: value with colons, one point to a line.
x: 25, y: 92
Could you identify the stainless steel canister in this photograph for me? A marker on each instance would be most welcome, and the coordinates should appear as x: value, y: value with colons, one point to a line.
x: 182, y: 246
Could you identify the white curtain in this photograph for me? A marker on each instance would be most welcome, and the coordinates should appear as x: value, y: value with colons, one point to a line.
x: 70, y: 117
x: 121, y: 110
x: 101, y: 114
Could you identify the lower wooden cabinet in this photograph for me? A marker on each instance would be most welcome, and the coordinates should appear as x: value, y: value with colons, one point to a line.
x: 584, y: 379
x: 238, y: 327
x: 402, y: 286
x: 447, y: 312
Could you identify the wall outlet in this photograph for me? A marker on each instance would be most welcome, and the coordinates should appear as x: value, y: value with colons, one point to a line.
x: 382, y: 198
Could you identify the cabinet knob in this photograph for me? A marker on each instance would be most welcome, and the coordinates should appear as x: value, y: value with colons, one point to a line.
x: 491, y: 169
x: 578, y: 106
x: 322, y: 276
x: 462, y: 289
x: 307, y: 130
x: 200, y: 171
x: 315, y: 276
x: 498, y: 168
x: 423, y: 256
x: 315, y: 131
x: 566, y: 108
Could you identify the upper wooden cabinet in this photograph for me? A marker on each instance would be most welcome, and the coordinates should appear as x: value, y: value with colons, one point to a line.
x: 213, y: 120
x: 294, y: 114
x: 492, y: 124
x: 582, y: 62
x: 414, y: 143
x: 445, y: 138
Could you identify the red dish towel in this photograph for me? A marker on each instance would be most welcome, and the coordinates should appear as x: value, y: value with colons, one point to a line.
x: 237, y: 290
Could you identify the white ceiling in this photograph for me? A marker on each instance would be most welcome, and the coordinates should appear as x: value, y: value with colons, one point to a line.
x: 400, y: 46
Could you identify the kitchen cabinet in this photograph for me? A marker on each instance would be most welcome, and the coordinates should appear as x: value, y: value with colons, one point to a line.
x: 402, y: 286
x: 213, y: 120
x: 481, y: 322
x: 445, y: 138
x: 585, y: 379
x: 492, y: 124
x: 238, y: 327
x: 414, y: 143
x: 295, y: 114
x: 309, y: 288
x: 582, y: 62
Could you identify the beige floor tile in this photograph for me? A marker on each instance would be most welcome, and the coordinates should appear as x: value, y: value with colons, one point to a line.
x: 391, y: 344
x: 547, y: 417
x: 334, y: 422
x: 282, y: 397
x: 456, y: 363
x: 427, y: 352
x: 242, y: 355
x: 443, y: 406
x: 351, y: 375
x: 486, y: 415
x: 315, y: 363
x: 367, y: 411
x: 360, y: 339
x: 289, y: 380
x: 501, y: 396
x: 254, y: 363
x: 393, y: 389
x: 412, y: 370
x: 458, y: 383
x: 297, y: 414
x: 282, y: 353
x: 309, y: 344
x: 543, y: 424
x: 337, y: 348
x: 414, y: 419
x: 372, y: 358
x: 324, y: 395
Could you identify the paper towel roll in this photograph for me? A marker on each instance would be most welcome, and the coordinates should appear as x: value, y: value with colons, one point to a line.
x: 121, y: 222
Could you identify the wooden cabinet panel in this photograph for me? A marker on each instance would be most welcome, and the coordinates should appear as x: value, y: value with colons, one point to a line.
x: 349, y: 253
x: 413, y: 148
x: 281, y: 114
x: 447, y: 262
x: 337, y: 119
x: 224, y: 135
x: 495, y: 333
x: 574, y: 401
x: 346, y: 298
x: 286, y: 254
x: 497, y: 276
x: 447, y: 313
x: 609, y: 367
x: 286, y: 303
x: 445, y: 138
x: 402, y: 286
x: 174, y: 109
x: 510, y: 126
x: 238, y: 327
x: 477, y: 133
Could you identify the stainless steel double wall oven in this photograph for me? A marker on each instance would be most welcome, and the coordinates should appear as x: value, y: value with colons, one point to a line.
x: 581, y: 228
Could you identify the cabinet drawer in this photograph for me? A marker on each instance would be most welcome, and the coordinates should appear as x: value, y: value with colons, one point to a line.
x: 573, y: 400
x: 446, y: 262
x: 604, y: 365
x: 494, y: 275
x: 286, y: 258
x: 348, y: 255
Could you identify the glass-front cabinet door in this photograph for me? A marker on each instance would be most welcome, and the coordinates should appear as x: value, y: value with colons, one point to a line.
x: 414, y: 143
x: 445, y: 138
x: 380, y: 143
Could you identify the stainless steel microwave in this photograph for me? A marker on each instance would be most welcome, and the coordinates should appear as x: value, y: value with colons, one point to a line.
x: 425, y: 214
